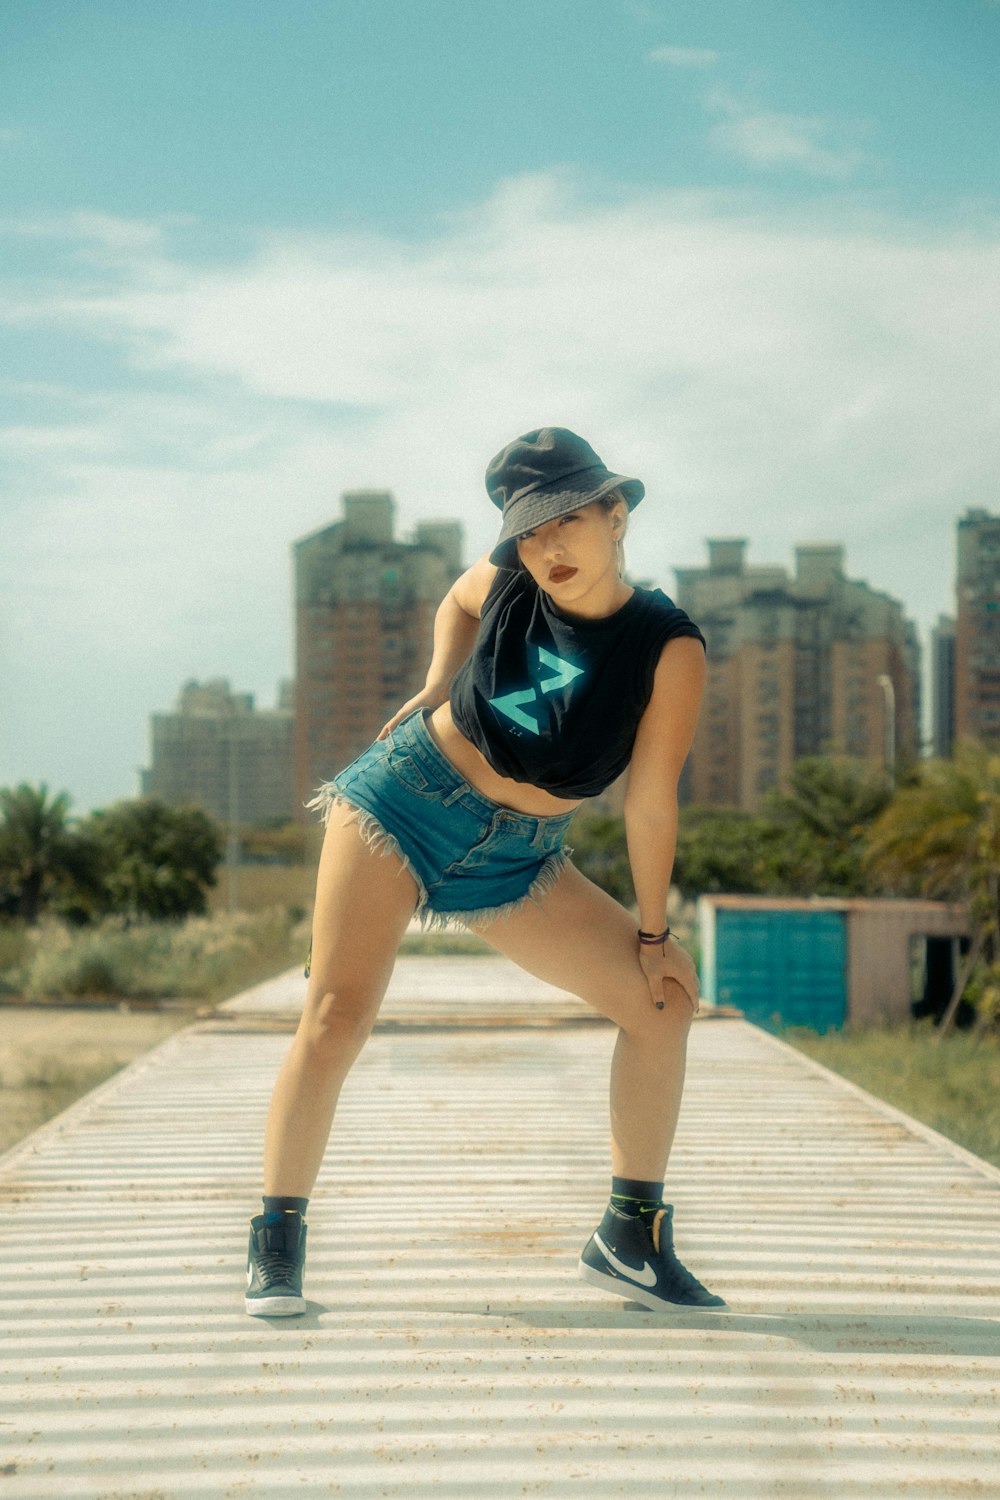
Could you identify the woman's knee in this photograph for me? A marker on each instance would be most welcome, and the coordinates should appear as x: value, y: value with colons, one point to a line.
x: 644, y: 1022
x: 338, y: 1019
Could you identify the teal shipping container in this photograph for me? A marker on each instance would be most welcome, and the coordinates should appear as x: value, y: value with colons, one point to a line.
x: 786, y: 961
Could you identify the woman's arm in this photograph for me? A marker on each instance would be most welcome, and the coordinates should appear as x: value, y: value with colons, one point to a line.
x: 455, y: 626
x: 662, y: 743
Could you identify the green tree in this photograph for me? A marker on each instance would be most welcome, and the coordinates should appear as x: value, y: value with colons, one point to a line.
x: 940, y: 838
x: 39, y: 854
x: 809, y: 839
x: 726, y: 850
x: 825, y: 813
x: 928, y: 840
x: 281, y: 844
x: 82, y: 896
x: 601, y: 852
x: 156, y: 861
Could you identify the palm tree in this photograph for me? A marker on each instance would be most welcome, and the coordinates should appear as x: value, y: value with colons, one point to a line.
x: 826, y: 809
x: 37, y: 850
x: 940, y: 838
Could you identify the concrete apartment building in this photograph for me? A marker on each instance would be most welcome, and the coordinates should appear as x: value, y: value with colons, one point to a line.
x: 364, y: 606
x: 218, y: 752
x: 810, y: 664
x: 977, y: 632
x: 943, y: 688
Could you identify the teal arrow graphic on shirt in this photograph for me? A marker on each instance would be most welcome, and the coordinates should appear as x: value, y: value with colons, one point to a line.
x: 509, y: 705
x: 565, y: 671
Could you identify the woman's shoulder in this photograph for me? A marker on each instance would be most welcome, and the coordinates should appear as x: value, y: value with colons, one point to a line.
x: 506, y: 585
x: 665, y: 617
x: 481, y: 584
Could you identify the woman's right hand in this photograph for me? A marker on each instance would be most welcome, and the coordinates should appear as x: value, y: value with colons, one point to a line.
x: 669, y: 964
x: 426, y: 698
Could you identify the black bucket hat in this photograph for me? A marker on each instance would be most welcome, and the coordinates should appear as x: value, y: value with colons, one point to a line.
x: 543, y: 475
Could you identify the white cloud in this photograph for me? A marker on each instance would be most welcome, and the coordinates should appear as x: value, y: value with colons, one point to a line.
x: 768, y: 139
x: 24, y: 439
x: 783, y: 377
x: 645, y: 14
x: 685, y: 57
x: 93, y: 239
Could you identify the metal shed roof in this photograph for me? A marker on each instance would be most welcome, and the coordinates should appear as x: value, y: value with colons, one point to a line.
x: 449, y: 1349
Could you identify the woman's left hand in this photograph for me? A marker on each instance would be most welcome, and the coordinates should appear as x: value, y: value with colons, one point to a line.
x: 666, y: 966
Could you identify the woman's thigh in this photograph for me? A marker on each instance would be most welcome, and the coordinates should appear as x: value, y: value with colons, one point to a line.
x: 364, y: 901
x: 581, y: 940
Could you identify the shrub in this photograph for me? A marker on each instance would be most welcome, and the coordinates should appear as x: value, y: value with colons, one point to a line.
x: 15, y: 945
x: 203, y: 958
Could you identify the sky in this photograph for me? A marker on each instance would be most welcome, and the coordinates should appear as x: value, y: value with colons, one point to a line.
x: 252, y: 256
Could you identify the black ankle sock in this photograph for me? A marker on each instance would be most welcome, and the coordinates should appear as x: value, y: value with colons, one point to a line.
x: 278, y: 1206
x: 630, y: 1195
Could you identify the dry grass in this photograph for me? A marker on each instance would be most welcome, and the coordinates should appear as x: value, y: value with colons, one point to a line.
x: 261, y: 886
x: 954, y: 1087
x: 49, y: 1058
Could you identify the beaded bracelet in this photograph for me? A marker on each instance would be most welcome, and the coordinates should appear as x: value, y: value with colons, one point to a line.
x: 652, y: 939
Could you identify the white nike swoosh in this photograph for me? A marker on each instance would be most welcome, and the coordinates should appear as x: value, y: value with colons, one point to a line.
x: 645, y: 1277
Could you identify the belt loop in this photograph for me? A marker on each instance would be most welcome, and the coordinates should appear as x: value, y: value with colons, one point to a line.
x: 536, y: 837
x: 453, y: 796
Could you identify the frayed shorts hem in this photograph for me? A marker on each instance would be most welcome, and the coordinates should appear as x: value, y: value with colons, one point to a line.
x: 381, y: 842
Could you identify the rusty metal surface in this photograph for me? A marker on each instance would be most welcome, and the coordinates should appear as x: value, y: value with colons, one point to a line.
x: 449, y: 1349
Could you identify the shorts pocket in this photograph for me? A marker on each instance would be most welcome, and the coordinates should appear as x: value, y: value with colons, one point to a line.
x: 364, y: 762
x: 414, y: 777
x: 551, y: 840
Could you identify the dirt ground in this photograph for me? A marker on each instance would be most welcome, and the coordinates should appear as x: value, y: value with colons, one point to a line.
x: 48, y: 1058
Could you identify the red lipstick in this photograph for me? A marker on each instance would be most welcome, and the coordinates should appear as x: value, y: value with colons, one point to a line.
x: 561, y: 574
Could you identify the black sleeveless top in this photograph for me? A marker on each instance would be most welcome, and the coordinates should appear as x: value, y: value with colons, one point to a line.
x: 553, y: 700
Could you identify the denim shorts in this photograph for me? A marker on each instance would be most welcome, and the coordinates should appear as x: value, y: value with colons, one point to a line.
x: 473, y: 860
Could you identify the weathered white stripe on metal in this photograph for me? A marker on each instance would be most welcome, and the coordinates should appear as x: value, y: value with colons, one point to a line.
x: 462, y: 990
x: 449, y: 1348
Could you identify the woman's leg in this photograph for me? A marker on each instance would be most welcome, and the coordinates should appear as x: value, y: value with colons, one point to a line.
x: 578, y: 938
x: 364, y: 901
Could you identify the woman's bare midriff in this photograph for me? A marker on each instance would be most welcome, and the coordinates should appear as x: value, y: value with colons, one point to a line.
x: 472, y: 764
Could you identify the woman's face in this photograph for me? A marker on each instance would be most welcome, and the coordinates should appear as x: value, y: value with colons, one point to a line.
x: 574, y: 553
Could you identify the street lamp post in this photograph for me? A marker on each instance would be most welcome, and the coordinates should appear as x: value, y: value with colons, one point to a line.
x: 889, y: 726
x: 233, y: 839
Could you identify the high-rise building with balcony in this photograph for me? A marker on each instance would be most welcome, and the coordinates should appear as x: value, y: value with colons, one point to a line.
x: 943, y: 672
x: 365, y: 604
x: 977, y: 633
x: 810, y: 664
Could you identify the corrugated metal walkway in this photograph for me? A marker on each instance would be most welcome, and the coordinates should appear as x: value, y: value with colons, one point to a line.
x: 462, y: 992
x: 449, y: 1349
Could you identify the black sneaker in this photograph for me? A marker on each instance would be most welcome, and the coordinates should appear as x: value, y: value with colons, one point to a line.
x: 275, y: 1259
x: 635, y: 1259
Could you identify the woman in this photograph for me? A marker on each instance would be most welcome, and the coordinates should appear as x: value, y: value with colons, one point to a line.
x: 550, y: 674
